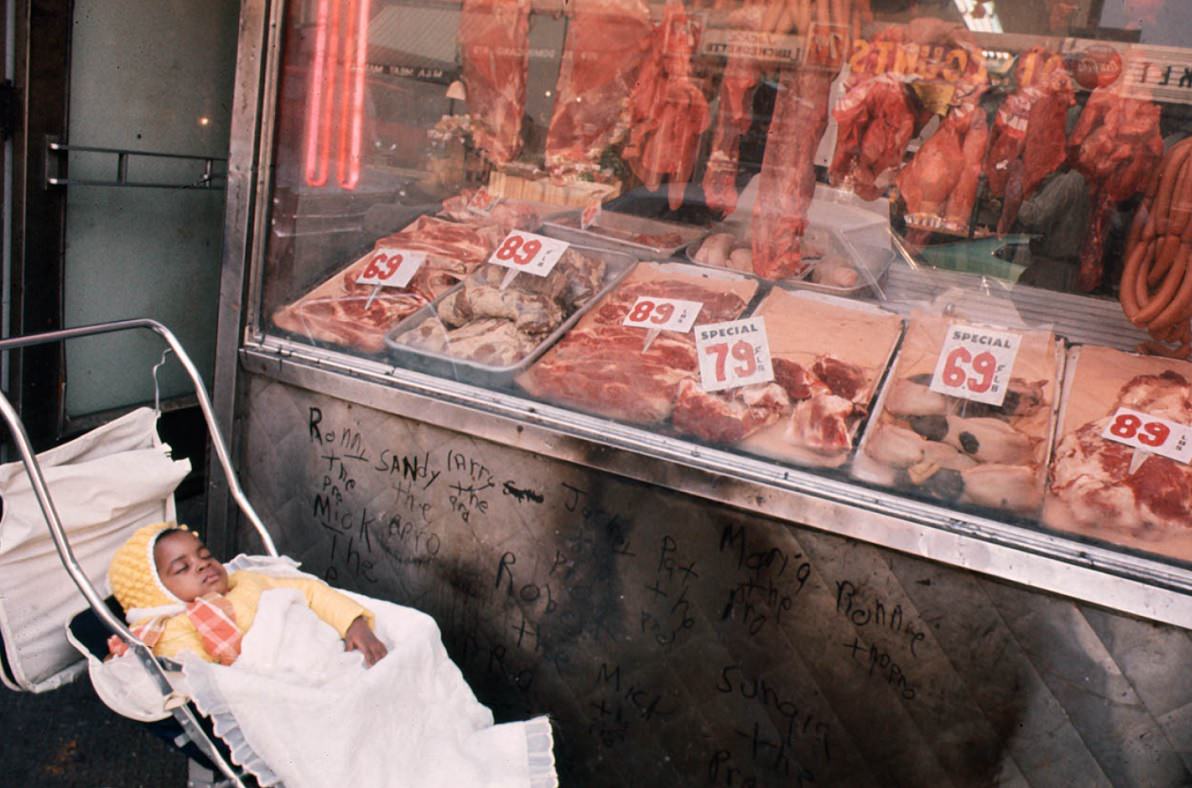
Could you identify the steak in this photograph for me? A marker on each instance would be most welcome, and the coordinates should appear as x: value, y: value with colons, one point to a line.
x: 600, y: 367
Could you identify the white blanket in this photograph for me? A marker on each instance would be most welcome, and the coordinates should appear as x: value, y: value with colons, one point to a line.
x: 295, y: 708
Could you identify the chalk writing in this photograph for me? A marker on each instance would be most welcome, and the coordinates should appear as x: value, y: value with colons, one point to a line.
x: 733, y: 680
x: 879, y: 664
x: 876, y: 614
x: 520, y: 495
x: 763, y: 592
x: 669, y: 613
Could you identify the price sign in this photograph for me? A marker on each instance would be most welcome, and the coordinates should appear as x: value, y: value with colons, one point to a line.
x: 976, y: 363
x: 1150, y: 434
x: 389, y: 267
x: 590, y: 215
x: 663, y: 314
x: 528, y: 253
x: 733, y: 354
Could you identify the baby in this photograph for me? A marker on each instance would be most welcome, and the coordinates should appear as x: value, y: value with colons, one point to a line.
x: 177, y: 597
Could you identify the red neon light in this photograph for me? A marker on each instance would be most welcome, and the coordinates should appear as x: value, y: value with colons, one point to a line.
x: 349, y: 170
x: 335, y: 80
x: 315, y: 97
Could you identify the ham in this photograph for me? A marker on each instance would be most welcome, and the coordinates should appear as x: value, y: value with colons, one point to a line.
x: 494, y: 43
x: 607, y: 41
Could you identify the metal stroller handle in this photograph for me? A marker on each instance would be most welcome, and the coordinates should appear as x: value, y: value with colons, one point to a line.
x: 21, y: 438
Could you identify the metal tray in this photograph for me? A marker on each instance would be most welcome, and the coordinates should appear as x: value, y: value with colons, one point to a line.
x: 871, y: 262
x: 618, y: 264
x: 605, y: 232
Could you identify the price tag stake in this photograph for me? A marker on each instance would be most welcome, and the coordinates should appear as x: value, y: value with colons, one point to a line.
x: 976, y: 364
x: 733, y: 354
x: 662, y: 314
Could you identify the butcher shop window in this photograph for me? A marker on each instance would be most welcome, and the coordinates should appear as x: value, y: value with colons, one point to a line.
x: 1021, y: 165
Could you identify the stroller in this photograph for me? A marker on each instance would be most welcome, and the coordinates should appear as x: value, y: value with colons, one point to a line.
x: 36, y: 648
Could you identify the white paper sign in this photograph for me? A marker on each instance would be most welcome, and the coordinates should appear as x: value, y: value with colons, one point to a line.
x: 529, y: 253
x: 733, y: 354
x: 391, y: 267
x: 663, y: 314
x: 1150, y: 434
x: 976, y: 363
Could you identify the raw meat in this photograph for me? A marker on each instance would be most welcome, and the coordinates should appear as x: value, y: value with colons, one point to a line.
x: 477, y: 206
x: 727, y: 416
x: 668, y: 111
x: 492, y: 341
x: 494, y: 43
x: 485, y: 323
x: 733, y: 117
x: 336, y: 312
x: 787, y: 180
x: 600, y: 367
x: 1116, y: 145
x: 1092, y: 475
x: 1029, y: 133
x: 822, y: 423
x: 940, y: 184
x: 959, y: 450
x: 607, y: 40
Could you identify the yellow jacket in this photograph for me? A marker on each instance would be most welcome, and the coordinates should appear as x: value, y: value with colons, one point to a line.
x: 244, y: 592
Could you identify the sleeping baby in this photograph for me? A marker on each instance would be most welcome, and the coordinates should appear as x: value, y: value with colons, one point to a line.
x: 268, y: 653
x: 178, y: 598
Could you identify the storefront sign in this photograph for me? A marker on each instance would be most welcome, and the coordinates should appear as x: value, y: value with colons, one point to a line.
x: 1150, y: 434
x: 765, y: 47
x: 733, y: 354
x: 975, y: 364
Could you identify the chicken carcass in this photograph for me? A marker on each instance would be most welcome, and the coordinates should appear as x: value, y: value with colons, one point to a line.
x: 494, y: 40
x: 940, y: 184
x: 668, y: 111
x: 733, y: 116
x: 607, y: 41
x: 1116, y: 145
x: 1029, y: 137
x: 875, y: 120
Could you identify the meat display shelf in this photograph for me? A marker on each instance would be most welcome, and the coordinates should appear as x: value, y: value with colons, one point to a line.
x: 1018, y: 551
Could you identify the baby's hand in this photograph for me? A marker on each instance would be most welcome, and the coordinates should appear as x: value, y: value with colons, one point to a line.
x: 360, y: 637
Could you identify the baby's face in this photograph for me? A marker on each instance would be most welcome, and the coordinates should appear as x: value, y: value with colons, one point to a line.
x: 187, y: 568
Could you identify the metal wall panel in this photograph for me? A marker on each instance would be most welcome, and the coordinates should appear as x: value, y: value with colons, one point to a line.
x: 681, y: 642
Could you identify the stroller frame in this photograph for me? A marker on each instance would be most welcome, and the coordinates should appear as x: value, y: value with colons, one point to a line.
x: 172, y: 701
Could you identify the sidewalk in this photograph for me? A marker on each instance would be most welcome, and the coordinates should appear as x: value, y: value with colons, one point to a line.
x: 69, y: 738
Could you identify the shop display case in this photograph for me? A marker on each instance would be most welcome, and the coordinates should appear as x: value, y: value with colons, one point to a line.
x: 918, y: 274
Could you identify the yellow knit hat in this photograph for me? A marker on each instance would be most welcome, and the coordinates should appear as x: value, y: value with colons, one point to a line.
x: 133, y: 572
